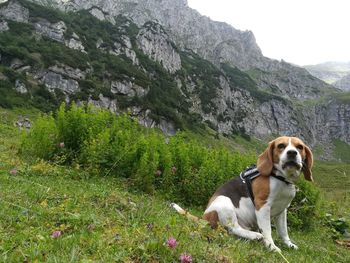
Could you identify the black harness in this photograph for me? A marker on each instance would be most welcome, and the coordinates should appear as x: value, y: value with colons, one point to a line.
x: 250, y: 173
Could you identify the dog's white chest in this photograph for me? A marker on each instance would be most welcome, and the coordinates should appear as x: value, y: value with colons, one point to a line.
x: 281, y: 195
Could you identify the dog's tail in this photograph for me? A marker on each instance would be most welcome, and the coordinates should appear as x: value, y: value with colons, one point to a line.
x: 184, y: 212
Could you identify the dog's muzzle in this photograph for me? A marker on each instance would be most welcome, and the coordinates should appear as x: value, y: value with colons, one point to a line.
x: 290, y: 164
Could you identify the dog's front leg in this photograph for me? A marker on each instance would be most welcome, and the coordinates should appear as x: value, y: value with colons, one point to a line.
x: 281, y: 225
x: 263, y: 216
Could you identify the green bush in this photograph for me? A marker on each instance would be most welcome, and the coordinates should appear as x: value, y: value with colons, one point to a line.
x: 305, y: 206
x: 118, y: 146
x: 42, y: 140
x: 181, y: 169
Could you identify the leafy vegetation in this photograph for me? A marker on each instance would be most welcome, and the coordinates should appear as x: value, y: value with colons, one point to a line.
x: 103, y: 143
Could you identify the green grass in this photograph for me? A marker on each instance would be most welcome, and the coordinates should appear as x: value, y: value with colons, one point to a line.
x: 103, y: 219
x: 341, y: 151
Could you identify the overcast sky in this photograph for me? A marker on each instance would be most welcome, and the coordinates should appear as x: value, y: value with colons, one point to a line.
x: 298, y: 31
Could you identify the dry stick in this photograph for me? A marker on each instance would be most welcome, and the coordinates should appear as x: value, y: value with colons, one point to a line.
x: 283, y: 256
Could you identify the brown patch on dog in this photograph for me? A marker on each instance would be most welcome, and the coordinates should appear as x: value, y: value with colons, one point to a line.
x: 261, y: 190
x: 266, y: 160
x: 213, y: 218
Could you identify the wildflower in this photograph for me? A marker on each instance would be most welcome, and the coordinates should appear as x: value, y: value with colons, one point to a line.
x: 13, y: 171
x: 171, y: 242
x: 56, y: 234
x: 158, y: 173
x: 173, y: 169
x: 61, y: 145
x: 185, y: 258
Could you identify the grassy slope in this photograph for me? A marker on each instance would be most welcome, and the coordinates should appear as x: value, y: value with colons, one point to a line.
x: 102, y: 220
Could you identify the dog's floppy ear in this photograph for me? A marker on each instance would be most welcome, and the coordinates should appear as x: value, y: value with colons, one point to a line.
x: 265, y: 160
x: 307, y: 165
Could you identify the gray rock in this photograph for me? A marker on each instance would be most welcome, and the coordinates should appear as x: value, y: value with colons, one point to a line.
x: 53, y: 81
x: 164, y: 125
x: 343, y: 83
x: 105, y: 102
x: 55, y: 31
x: 155, y: 43
x: 72, y: 73
x: 127, y: 88
x: 23, y: 122
x: 75, y: 43
x: 3, y: 26
x: 20, y: 87
x: 15, y: 11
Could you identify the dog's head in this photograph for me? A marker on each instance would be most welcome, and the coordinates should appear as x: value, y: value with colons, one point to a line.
x: 289, y: 155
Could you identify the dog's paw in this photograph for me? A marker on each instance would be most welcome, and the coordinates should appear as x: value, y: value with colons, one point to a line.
x: 275, y: 248
x: 293, y: 246
x: 257, y: 236
x: 272, y: 247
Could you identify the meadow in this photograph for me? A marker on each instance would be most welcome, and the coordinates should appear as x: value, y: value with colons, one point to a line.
x: 57, y: 209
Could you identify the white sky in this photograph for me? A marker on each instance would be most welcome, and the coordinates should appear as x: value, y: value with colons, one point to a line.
x: 298, y: 31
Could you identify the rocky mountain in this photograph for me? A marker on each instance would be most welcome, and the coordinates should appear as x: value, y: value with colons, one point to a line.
x: 343, y: 83
x: 164, y: 63
x: 330, y: 72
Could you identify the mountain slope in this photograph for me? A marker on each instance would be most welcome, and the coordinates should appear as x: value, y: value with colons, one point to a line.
x: 330, y: 72
x: 48, y: 56
x: 343, y: 83
x: 214, y: 41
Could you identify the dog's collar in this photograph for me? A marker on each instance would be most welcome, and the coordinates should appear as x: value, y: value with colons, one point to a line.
x: 281, y: 178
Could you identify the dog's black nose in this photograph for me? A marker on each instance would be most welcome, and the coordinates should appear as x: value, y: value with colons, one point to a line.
x: 291, y: 153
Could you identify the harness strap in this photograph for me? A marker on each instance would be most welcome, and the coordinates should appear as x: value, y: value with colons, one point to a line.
x: 250, y: 173
x: 247, y: 176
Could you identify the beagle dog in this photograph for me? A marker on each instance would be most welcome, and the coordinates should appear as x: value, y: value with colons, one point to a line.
x: 241, y: 210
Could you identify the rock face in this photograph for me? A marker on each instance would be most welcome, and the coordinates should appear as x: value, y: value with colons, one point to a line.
x: 20, y: 87
x: 343, y: 83
x: 127, y: 88
x: 54, y: 81
x: 154, y: 42
x: 329, y: 72
x: 75, y: 43
x: 14, y: 11
x: 54, y: 31
x: 215, y: 41
x: 3, y: 26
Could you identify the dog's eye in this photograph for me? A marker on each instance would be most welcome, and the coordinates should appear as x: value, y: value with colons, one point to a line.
x: 300, y: 147
x: 281, y: 146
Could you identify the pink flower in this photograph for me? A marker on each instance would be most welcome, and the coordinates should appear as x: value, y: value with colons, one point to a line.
x: 171, y: 242
x: 158, y: 173
x: 173, y: 169
x: 13, y: 171
x: 185, y: 258
x: 56, y: 234
x: 61, y: 145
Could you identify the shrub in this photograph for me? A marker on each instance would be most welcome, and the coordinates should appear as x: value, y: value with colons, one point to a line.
x: 42, y: 140
x: 305, y: 206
